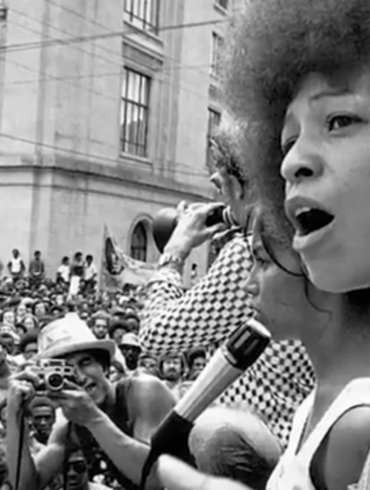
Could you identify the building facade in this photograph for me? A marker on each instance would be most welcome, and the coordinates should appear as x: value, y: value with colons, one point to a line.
x: 105, y: 111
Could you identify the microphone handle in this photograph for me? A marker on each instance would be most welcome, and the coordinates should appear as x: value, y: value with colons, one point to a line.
x: 212, y: 381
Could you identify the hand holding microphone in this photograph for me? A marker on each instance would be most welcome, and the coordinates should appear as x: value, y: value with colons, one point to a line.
x: 187, y: 227
x: 239, y: 352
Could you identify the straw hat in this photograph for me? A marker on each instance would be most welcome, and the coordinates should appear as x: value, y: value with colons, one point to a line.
x: 130, y: 339
x: 67, y: 335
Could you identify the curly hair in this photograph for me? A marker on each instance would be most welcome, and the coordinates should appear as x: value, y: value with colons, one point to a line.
x: 225, y: 152
x: 272, y: 45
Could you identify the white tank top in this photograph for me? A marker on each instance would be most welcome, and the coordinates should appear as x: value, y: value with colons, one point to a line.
x: 293, y: 470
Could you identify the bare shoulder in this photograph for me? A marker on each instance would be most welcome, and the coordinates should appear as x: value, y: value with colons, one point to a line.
x: 342, y: 456
x: 147, y: 387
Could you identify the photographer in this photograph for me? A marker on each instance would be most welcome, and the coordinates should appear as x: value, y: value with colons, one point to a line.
x: 206, y: 314
x: 110, y: 423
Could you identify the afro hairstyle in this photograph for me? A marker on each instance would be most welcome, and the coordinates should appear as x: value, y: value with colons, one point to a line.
x: 272, y: 45
x: 225, y: 151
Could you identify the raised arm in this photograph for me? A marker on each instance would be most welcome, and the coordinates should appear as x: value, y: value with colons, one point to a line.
x: 207, y: 313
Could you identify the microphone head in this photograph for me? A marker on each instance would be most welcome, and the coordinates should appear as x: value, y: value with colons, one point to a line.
x: 246, y: 344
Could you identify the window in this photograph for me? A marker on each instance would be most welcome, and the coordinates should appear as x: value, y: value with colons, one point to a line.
x: 143, y: 14
x: 217, y: 45
x: 222, y: 3
x: 134, y: 113
x: 139, y: 243
x: 214, y: 119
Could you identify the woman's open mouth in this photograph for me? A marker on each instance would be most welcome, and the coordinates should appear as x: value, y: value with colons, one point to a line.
x: 310, y: 220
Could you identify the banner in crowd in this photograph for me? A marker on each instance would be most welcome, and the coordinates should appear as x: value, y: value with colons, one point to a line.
x: 119, y: 269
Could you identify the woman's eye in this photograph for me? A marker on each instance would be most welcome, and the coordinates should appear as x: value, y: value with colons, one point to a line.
x: 288, y: 145
x: 342, y: 121
x: 262, y: 262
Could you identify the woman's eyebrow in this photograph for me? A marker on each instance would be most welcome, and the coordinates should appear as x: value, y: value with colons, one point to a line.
x: 342, y: 92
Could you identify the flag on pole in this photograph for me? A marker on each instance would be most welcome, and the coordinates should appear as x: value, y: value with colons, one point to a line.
x: 119, y: 269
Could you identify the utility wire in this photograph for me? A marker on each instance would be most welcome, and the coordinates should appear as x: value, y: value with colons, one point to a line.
x: 48, y: 77
x: 81, y: 39
x: 163, y: 72
x: 99, y: 24
x: 90, y: 155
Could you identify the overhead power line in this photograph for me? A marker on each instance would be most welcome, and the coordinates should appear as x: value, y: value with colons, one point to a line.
x: 90, y: 155
x: 80, y: 39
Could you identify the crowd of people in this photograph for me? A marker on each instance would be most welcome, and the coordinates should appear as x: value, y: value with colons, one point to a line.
x: 29, y: 303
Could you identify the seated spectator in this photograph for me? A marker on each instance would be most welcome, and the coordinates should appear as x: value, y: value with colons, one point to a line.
x: 172, y: 368
x: 28, y: 347
x: 118, y: 314
x: 59, y: 299
x: 117, y: 329
x: 31, y: 323
x: 77, y: 473
x: 56, y: 311
x: 7, y: 338
x: 21, y: 311
x: 148, y: 363
x: 234, y: 444
x: 41, y: 414
x: 133, y: 322
x: 39, y: 309
x: 130, y: 348
x: 20, y: 330
x: 99, y: 324
x: 8, y: 317
x: 197, y: 359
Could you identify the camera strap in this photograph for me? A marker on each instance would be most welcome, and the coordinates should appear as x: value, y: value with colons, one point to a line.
x: 20, y: 451
x: 67, y: 454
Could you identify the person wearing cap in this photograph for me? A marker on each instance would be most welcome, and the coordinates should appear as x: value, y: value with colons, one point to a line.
x: 148, y: 363
x: 130, y: 348
x: 112, y: 423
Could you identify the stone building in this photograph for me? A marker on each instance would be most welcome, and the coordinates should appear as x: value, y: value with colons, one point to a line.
x: 105, y: 109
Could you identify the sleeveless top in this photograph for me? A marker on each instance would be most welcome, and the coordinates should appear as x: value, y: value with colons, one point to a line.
x: 99, y: 465
x: 293, y: 470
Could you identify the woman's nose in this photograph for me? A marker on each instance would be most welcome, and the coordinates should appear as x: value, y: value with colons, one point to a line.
x: 302, y: 162
x: 250, y: 286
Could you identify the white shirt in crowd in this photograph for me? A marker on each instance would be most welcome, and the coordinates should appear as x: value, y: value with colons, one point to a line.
x: 90, y: 271
x: 16, y: 265
x: 64, y: 271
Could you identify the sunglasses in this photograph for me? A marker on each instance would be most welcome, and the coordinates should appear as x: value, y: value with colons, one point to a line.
x: 77, y: 466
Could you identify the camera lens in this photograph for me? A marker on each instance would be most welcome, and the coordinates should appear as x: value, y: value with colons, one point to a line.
x: 55, y: 381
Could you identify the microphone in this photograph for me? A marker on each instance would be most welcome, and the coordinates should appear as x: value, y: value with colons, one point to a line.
x: 229, y: 362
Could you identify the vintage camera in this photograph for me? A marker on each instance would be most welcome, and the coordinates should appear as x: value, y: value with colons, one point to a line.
x: 165, y: 221
x: 53, y: 373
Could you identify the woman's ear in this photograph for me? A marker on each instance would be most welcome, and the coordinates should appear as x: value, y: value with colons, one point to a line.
x: 236, y: 188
